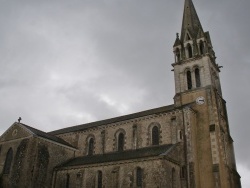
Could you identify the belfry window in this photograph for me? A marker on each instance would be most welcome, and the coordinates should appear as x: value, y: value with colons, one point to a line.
x: 189, y: 80
x: 121, y: 142
x: 8, y: 161
x: 99, y: 179
x: 189, y: 50
x: 202, y: 49
x: 197, y: 77
x: 178, y: 55
x: 91, y: 146
x: 139, y: 177
x: 155, y: 135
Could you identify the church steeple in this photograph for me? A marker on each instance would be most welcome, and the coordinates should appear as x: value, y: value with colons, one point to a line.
x: 190, y: 22
x: 193, y: 41
x: 195, y: 66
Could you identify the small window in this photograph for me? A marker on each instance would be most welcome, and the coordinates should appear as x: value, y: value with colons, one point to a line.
x: 139, y: 177
x: 178, y: 55
x: 99, y: 179
x: 155, y: 135
x: 189, y: 80
x: 173, y: 178
x: 190, y: 51
x: 121, y: 142
x: 180, y: 135
x: 8, y: 161
x: 91, y: 146
x: 183, y: 172
x: 202, y: 50
x: 197, y: 77
x: 67, y: 180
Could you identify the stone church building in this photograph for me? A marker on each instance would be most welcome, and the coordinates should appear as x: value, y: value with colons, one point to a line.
x: 183, y: 145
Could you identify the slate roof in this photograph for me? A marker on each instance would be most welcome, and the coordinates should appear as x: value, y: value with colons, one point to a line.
x: 190, y: 20
x: 113, y: 120
x: 120, y: 156
x: 46, y: 135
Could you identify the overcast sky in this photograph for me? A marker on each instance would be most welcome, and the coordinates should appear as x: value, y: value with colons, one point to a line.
x: 65, y: 62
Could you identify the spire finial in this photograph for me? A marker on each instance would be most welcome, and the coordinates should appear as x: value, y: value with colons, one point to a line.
x: 177, y: 35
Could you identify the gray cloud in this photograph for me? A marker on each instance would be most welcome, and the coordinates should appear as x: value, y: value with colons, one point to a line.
x: 71, y: 62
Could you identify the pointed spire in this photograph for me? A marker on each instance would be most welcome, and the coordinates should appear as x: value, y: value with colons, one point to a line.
x: 190, y: 21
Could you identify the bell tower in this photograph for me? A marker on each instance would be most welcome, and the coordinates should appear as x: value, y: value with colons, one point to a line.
x: 195, y: 62
x: 197, y: 85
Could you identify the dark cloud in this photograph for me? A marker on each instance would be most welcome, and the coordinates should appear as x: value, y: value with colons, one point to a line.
x: 71, y: 62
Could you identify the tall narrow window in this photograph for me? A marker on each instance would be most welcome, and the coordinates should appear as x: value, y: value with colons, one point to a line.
x: 202, y: 50
x: 189, y: 80
x: 155, y: 135
x: 99, y: 179
x: 67, y: 180
x: 173, y: 178
x: 178, y: 55
x: 190, y: 51
x: 135, y: 144
x: 197, y: 77
x: 8, y: 161
x: 91, y: 146
x: 121, y: 142
x: 103, y: 141
x: 180, y: 135
x: 183, y: 172
x: 139, y: 177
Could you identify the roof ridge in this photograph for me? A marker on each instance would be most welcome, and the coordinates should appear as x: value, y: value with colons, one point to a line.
x: 151, y: 151
x: 112, y: 120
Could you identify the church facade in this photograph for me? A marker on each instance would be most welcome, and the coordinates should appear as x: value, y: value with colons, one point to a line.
x: 183, y: 145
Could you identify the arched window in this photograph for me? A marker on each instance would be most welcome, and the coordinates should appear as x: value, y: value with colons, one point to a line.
x: 67, y: 180
x: 202, y: 49
x: 197, y: 77
x: 178, y: 55
x: 8, y: 161
x: 99, y: 179
x: 121, y: 142
x: 173, y: 178
x: 138, y: 177
x: 189, y: 80
x: 155, y: 135
x: 190, y: 51
x: 91, y: 146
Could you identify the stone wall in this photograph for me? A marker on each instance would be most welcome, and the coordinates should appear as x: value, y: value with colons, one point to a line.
x: 33, y: 162
x: 156, y: 173
x: 138, y: 133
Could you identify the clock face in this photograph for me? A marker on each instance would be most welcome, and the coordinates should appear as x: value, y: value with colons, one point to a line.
x: 200, y: 100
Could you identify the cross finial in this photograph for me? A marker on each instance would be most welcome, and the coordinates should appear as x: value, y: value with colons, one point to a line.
x: 19, y: 119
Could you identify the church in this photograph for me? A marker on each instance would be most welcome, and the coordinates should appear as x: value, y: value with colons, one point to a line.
x: 184, y: 145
